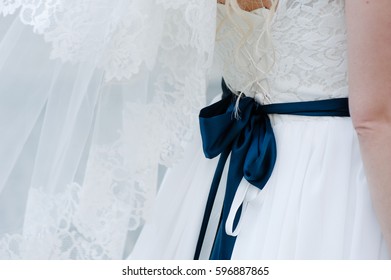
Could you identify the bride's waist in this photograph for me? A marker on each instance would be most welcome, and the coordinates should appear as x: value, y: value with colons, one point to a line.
x: 269, y: 92
x: 275, y: 94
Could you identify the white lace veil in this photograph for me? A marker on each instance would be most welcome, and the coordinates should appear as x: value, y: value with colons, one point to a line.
x: 94, y: 96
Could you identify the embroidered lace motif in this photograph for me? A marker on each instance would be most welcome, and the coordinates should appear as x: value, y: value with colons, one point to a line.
x: 310, y: 45
x: 169, y: 44
x: 309, y: 52
x: 244, y: 59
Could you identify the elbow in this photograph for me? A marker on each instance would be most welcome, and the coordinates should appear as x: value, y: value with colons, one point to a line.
x: 368, y: 128
x: 370, y: 121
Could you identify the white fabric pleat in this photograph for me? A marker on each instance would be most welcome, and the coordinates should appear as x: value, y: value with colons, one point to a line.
x: 316, y: 204
x: 173, y: 227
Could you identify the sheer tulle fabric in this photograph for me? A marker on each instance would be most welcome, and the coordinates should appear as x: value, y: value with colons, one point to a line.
x: 92, y: 101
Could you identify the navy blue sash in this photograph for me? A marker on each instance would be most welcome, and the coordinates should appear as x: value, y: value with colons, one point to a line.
x: 251, y: 143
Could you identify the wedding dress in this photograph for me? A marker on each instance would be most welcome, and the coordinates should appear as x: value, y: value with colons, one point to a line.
x: 316, y: 204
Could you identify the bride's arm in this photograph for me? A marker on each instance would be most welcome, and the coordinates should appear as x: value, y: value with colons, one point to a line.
x: 369, y: 41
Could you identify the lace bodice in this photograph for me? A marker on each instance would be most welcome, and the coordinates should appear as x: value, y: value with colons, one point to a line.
x: 309, y: 43
x: 243, y: 62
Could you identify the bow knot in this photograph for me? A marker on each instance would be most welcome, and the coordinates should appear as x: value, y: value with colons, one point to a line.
x: 249, y: 139
x: 251, y: 143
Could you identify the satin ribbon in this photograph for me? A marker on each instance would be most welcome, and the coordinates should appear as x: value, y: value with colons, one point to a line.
x: 251, y: 143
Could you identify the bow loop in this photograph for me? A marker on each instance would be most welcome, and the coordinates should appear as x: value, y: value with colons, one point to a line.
x: 262, y: 152
x: 249, y: 140
x: 219, y: 128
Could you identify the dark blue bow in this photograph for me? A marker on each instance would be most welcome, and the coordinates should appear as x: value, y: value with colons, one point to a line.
x: 251, y: 143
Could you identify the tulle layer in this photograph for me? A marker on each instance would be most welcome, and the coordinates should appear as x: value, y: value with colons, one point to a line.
x: 94, y: 97
x: 316, y: 204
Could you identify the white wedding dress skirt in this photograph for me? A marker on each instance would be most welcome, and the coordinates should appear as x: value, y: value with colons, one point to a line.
x: 316, y: 204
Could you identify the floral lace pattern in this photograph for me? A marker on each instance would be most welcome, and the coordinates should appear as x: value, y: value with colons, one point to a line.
x: 308, y: 50
x: 245, y: 59
x: 61, y: 227
x: 120, y: 34
x: 310, y: 46
x: 8, y: 7
x: 168, y: 43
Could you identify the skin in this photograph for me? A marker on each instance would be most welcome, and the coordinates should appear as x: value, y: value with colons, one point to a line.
x: 250, y: 5
x: 369, y: 40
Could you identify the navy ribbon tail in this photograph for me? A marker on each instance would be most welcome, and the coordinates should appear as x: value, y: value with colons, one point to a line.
x: 251, y: 143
